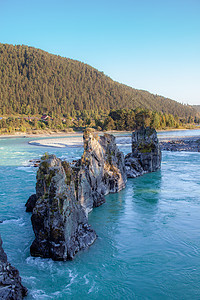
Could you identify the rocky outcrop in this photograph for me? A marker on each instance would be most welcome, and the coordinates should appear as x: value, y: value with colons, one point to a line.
x: 189, y: 144
x: 146, y: 153
x: 66, y: 193
x: 59, y: 222
x: 100, y: 171
x: 10, y: 281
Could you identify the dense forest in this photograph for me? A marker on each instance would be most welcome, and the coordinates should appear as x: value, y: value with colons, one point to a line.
x: 134, y: 119
x: 34, y: 82
x: 197, y: 107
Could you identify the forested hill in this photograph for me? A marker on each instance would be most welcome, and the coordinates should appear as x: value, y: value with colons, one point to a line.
x: 33, y: 81
x: 197, y: 107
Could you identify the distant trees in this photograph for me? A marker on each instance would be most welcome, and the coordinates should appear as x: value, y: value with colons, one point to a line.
x: 34, y: 82
x: 121, y: 119
x: 132, y: 119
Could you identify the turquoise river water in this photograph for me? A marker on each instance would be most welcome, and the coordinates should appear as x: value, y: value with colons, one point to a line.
x: 148, y: 244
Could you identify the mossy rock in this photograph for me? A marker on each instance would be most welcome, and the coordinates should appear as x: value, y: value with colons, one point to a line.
x: 49, y: 177
x: 45, y: 156
x: 146, y: 148
x: 68, y: 171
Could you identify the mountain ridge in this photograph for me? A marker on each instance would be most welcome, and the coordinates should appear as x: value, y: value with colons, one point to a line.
x: 196, y: 107
x: 33, y: 81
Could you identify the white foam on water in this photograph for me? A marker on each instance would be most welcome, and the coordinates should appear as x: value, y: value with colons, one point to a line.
x: 19, y: 222
x: 57, y: 293
x: 40, y: 295
x: 124, y: 145
x: 93, y: 288
x: 42, y: 263
x: 72, y: 279
x: 29, y: 279
x: 23, y: 224
x: 25, y: 168
x: 21, y: 153
x: 86, y: 279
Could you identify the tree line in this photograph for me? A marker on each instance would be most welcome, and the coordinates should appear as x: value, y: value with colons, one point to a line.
x: 121, y: 120
x: 34, y: 82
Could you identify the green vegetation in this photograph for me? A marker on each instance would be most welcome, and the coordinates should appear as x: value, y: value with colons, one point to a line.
x: 146, y: 148
x: 34, y: 82
x: 135, y: 118
x: 197, y: 107
x: 67, y: 169
x: 49, y: 177
x: 123, y: 119
x: 45, y: 156
x: 43, y: 92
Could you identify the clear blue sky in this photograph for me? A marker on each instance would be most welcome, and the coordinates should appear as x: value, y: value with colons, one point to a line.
x: 147, y: 44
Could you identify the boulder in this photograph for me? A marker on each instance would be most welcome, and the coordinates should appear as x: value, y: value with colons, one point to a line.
x: 10, y: 281
x: 146, y: 153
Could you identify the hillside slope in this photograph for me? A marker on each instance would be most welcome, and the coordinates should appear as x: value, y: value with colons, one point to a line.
x: 197, y: 107
x: 33, y: 81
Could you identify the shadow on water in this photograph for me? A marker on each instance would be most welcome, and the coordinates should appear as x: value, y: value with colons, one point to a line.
x: 145, y: 192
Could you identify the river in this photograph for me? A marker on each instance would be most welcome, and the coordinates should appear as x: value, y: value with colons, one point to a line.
x: 148, y: 244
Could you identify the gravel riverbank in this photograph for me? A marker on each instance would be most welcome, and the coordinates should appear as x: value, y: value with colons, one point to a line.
x: 190, y: 144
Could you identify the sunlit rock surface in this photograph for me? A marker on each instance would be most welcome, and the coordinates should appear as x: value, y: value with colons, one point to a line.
x: 146, y: 153
x: 10, y: 281
x: 101, y: 170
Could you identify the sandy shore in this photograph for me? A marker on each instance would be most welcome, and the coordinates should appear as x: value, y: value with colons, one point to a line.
x: 53, y: 134
x: 75, y: 139
x: 78, y: 141
x: 72, y: 141
x: 65, y: 134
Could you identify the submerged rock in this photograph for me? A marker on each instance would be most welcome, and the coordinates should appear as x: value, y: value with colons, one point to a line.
x: 10, y: 281
x: 59, y: 222
x: 146, y: 153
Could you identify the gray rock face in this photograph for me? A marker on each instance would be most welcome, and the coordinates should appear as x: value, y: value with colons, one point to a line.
x: 10, y: 281
x: 101, y: 170
x: 30, y: 204
x: 189, y: 144
x: 146, y: 153
x: 65, y: 195
x: 59, y: 222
